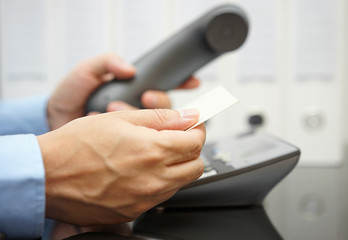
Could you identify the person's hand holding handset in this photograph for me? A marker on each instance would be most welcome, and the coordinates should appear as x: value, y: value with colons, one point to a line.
x: 69, y: 100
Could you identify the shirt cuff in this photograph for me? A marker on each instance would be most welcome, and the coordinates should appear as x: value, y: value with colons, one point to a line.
x: 22, y: 187
x: 24, y: 116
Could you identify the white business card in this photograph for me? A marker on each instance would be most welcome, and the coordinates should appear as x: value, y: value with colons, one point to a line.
x: 211, y: 103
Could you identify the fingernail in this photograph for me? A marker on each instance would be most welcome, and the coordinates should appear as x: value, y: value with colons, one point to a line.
x: 120, y: 64
x: 128, y: 67
x: 189, y: 113
x: 125, y: 66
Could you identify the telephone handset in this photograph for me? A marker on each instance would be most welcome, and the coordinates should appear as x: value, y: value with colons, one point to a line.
x: 165, y: 67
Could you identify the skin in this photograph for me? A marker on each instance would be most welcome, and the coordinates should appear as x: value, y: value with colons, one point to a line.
x: 68, y: 101
x: 110, y: 168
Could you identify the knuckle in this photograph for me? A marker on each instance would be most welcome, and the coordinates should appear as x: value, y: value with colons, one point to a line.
x: 200, y: 168
x: 196, y: 149
x: 197, y: 170
x: 150, y: 187
x: 161, y: 115
x: 154, y: 188
x: 155, y: 155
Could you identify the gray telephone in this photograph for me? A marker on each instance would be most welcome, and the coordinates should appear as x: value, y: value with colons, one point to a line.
x: 220, y: 30
x: 255, y: 163
x: 239, y: 171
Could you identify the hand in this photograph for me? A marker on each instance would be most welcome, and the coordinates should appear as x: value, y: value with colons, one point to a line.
x: 69, y: 99
x: 152, y: 99
x: 111, y: 167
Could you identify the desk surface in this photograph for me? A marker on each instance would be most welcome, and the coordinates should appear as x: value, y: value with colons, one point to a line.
x: 215, y: 223
x: 310, y: 203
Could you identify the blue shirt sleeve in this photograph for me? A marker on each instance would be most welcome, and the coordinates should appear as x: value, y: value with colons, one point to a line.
x: 22, y: 187
x: 22, y: 179
x: 22, y: 116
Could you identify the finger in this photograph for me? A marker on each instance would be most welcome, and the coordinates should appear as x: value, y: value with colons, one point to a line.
x: 119, y: 106
x: 155, y: 99
x: 109, y: 63
x: 162, y: 119
x: 93, y: 113
x: 184, y: 173
x: 192, y: 82
x: 182, y: 146
x: 108, y: 77
x: 91, y: 73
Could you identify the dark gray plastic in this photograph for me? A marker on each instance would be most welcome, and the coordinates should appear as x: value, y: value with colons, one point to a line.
x: 228, y: 223
x: 168, y: 65
x: 270, y: 159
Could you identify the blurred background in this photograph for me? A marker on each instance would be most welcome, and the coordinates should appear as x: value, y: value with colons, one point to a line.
x: 291, y: 77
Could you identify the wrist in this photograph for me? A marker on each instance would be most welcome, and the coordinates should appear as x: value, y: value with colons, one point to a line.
x: 53, y: 154
x: 59, y: 115
x: 52, y: 115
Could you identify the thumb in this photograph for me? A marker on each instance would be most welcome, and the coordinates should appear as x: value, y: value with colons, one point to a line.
x: 89, y: 75
x: 98, y: 70
x: 109, y: 63
x: 162, y: 119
